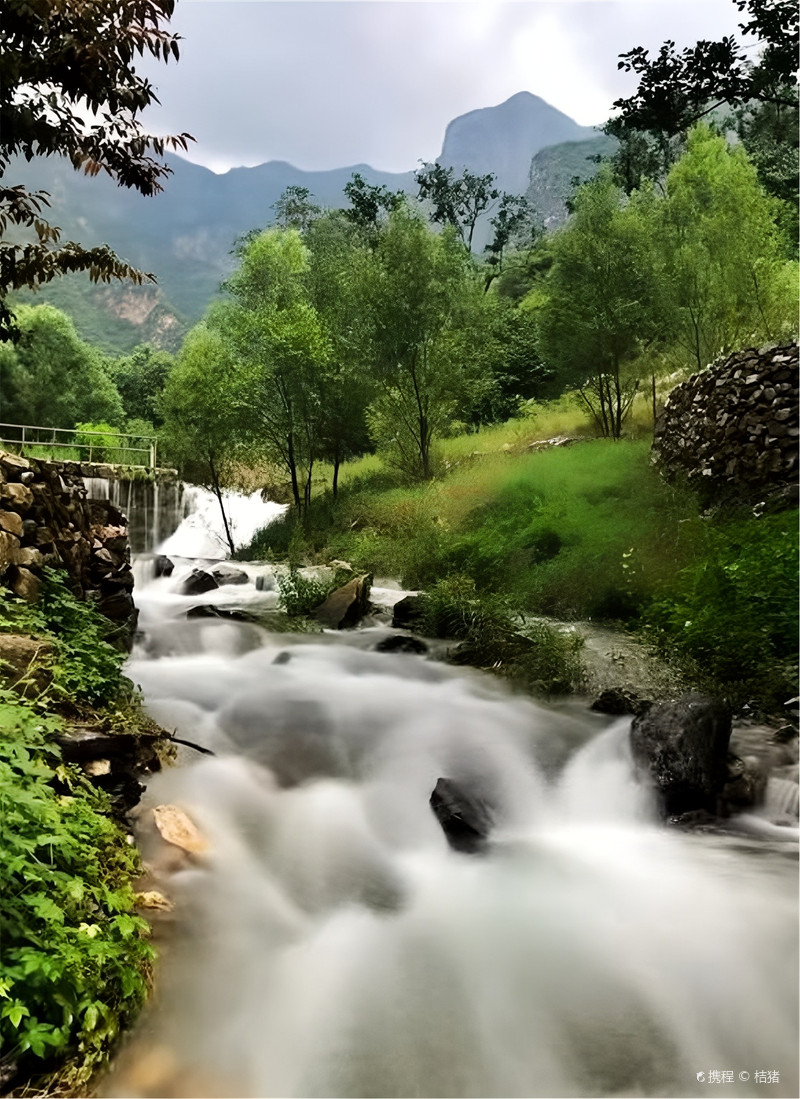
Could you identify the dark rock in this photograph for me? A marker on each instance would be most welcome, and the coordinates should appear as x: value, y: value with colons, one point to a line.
x: 698, y: 820
x: 208, y: 610
x: 617, y: 701
x: 282, y: 658
x: 744, y: 787
x: 226, y: 574
x: 408, y: 612
x: 466, y: 819
x: 123, y: 789
x: 345, y: 607
x: 681, y: 749
x: 164, y: 566
x: 197, y: 583
x: 401, y: 643
x: 82, y: 745
x: 265, y: 582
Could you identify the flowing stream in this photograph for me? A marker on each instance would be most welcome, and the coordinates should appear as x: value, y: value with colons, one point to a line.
x: 330, y: 943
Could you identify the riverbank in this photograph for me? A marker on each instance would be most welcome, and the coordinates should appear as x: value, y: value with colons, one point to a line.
x: 582, y: 530
x: 76, y: 959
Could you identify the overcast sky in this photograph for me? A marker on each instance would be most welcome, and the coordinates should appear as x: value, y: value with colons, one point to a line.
x: 330, y: 83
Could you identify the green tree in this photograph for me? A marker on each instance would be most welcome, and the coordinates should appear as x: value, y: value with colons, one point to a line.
x: 429, y: 319
x: 50, y: 377
x: 201, y: 432
x: 729, y: 284
x: 281, y: 349
x: 677, y: 88
x: 294, y: 209
x: 457, y: 201
x: 68, y: 86
x: 600, y: 305
x: 338, y: 282
x: 140, y: 378
x: 369, y: 204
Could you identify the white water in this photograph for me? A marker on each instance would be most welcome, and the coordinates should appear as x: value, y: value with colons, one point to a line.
x: 331, y: 944
x: 202, y: 532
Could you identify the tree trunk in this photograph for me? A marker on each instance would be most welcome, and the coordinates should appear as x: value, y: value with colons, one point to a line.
x: 218, y: 493
x: 655, y: 412
x: 298, y: 503
x: 336, y: 464
x: 307, y: 488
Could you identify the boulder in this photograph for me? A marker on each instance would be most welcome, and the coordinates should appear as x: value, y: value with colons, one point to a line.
x: 25, y: 584
x: 407, y: 612
x: 209, y: 610
x: 28, y: 658
x: 401, y: 643
x: 164, y: 566
x: 197, y: 583
x: 345, y: 607
x: 11, y: 522
x: 265, y: 582
x: 466, y: 819
x: 681, y: 749
x: 226, y: 574
x: 616, y: 701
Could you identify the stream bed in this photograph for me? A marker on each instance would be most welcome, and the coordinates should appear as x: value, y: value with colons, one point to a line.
x: 329, y: 942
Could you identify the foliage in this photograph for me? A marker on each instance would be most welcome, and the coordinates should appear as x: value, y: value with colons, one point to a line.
x: 294, y: 209
x: 51, y: 377
x: 87, y: 669
x: 457, y: 201
x: 98, y: 442
x: 599, y: 305
x: 199, y: 409
x: 430, y: 322
x: 338, y: 286
x: 68, y: 86
x: 280, y: 350
x: 733, y: 608
x: 451, y: 608
x: 75, y: 961
x: 678, y: 88
x: 140, y: 378
x: 369, y: 204
x: 460, y: 201
x: 537, y: 655
x: 726, y: 282
x: 300, y: 593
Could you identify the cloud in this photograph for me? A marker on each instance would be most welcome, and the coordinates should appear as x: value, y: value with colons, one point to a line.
x: 328, y: 84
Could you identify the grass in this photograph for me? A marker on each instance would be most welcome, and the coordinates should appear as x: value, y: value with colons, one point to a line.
x: 584, y: 531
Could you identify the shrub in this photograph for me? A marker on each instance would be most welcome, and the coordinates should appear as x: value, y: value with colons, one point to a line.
x: 75, y: 960
x: 87, y: 669
x: 733, y: 609
x: 301, y: 594
x: 536, y: 655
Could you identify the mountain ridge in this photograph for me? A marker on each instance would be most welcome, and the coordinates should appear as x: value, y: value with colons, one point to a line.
x: 186, y: 233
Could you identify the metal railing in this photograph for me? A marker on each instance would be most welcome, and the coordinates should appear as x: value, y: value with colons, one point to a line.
x: 26, y: 439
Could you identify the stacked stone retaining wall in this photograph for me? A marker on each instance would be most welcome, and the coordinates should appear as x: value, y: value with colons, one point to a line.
x: 46, y: 519
x: 732, y: 429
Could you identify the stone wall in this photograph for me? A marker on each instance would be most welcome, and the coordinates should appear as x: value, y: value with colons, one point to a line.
x: 732, y: 429
x: 46, y: 519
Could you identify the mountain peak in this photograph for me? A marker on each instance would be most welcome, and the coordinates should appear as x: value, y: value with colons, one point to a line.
x: 503, y: 139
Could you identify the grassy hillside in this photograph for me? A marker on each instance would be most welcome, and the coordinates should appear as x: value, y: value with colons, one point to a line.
x: 586, y: 531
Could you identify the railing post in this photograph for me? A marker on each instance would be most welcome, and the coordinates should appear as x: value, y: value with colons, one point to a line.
x: 153, y: 446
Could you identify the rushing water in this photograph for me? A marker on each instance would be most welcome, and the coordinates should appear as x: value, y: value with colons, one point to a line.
x: 330, y: 943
